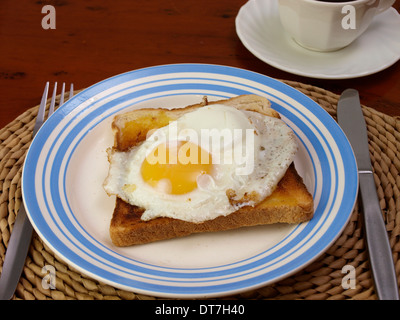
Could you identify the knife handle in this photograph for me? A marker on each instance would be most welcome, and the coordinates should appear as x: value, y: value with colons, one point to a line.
x: 380, y: 252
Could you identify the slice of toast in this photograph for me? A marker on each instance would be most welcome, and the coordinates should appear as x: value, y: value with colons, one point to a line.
x: 289, y: 203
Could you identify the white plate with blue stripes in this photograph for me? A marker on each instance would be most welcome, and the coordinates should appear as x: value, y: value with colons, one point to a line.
x: 67, y: 163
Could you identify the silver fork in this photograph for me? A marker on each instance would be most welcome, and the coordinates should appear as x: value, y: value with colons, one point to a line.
x: 21, y: 235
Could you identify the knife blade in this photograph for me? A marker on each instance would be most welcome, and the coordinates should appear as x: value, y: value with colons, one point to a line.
x: 351, y: 120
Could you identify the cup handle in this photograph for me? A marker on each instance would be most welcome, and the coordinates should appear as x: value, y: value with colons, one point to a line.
x: 384, y: 5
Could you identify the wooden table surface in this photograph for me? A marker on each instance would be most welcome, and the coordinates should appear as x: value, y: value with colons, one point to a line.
x: 97, y: 39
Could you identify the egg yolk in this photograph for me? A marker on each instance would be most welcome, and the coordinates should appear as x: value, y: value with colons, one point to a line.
x: 174, y: 167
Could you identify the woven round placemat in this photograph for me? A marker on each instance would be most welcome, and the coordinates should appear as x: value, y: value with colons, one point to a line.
x: 320, y: 280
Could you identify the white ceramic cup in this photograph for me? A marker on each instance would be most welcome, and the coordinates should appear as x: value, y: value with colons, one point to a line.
x: 327, y: 26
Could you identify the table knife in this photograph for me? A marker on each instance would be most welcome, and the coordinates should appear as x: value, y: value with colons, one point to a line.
x: 351, y: 120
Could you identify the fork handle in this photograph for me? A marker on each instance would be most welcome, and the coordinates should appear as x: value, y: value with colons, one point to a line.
x: 17, y: 250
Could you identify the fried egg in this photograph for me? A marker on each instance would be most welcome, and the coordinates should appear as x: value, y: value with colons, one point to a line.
x: 208, y: 163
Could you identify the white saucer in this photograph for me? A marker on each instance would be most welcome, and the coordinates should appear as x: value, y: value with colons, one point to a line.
x: 259, y: 28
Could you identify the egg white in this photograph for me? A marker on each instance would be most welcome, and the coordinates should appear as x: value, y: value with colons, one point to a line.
x: 272, y: 151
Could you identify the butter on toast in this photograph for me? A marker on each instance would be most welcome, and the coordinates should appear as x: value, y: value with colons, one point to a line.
x: 290, y: 202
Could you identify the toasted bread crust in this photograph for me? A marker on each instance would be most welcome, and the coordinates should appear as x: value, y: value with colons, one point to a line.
x: 289, y: 203
x: 128, y: 133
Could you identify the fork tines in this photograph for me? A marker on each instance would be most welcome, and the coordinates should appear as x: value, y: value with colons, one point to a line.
x: 42, y: 108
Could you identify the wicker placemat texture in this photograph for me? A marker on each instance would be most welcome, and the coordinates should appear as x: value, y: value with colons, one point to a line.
x: 321, y: 280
